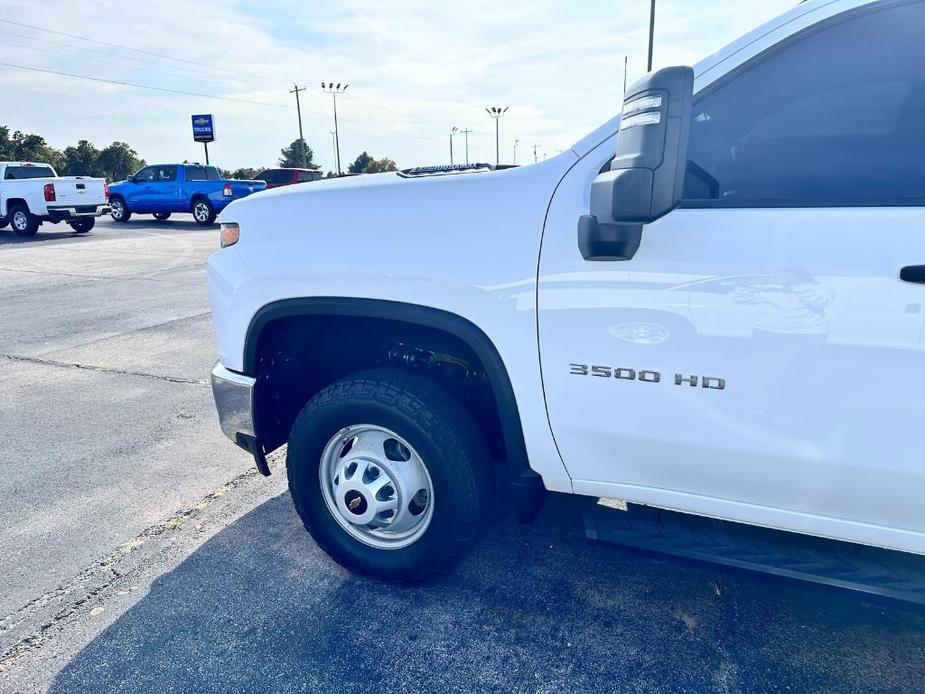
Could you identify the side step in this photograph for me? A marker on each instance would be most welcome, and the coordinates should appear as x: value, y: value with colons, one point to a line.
x: 879, y: 572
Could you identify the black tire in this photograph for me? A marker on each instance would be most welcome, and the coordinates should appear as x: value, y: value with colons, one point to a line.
x: 203, y: 212
x: 83, y: 225
x: 23, y: 222
x: 443, y: 434
x: 118, y: 210
x: 161, y: 216
x: 4, y: 221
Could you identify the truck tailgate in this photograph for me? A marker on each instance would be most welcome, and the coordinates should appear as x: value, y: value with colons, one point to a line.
x: 78, y: 190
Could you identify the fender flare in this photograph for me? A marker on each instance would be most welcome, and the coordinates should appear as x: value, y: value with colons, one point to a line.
x: 527, y: 484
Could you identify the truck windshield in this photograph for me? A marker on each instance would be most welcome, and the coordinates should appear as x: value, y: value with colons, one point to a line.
x: 17, y: 172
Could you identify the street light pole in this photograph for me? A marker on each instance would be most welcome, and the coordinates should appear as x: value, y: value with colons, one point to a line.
x: 535, y: 147
x: 452, y: 133
x: 465, y: 132
x: 516, y: 142
x: 496, y: 112
x: 298, y: 109
x: 651, y: 33
x: 333, y: 144
x: 334, y: 90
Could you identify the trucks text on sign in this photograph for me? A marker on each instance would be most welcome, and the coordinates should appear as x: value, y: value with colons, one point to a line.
x: 203, y: 128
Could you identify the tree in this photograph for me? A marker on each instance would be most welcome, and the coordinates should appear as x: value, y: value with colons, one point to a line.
x: 29, y: 147
x: 360, y: 163
x: 82, y: 160
x: 366, y: 164
x: 6, y: 146
x: 292, y: 156
x: 380, y: 165
x: 245, y: 173
x: 118, y: 161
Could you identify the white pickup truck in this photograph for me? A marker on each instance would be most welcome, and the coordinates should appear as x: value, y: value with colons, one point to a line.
x: 31, y: 194
x: 711, y: 306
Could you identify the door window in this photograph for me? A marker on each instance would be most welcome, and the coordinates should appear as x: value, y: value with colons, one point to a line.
x: 832, y: 119
x: 147, y: 174
x: 166, y: 174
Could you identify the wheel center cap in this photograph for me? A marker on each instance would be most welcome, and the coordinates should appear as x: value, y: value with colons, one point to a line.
x: 356, y: 502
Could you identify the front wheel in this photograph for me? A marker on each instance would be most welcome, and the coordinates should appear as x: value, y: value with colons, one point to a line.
x: 389, y: 474
x: 203, y: 212
x: 82, y: 226
x: 161, y: 216
x: 23, y: 222
x: 118, y: 210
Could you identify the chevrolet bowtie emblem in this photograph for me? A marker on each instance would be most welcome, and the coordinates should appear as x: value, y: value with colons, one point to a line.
x: 354, y: 503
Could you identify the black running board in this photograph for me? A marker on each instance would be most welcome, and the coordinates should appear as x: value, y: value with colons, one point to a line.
x: 879, y: 572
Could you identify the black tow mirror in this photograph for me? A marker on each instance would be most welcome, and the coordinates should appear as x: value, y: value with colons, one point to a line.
x: 646, y: 177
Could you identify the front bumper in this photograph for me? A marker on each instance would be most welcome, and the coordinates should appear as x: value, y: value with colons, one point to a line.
x: 234, y: 399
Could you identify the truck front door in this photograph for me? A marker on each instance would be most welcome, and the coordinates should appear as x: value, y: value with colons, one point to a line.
x: 163, y: 190
x: 760, y: 358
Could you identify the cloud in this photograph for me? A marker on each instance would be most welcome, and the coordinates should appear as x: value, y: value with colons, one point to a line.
x: 415, y: 69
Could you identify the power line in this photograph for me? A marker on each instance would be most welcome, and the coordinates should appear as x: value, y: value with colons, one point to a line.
x: 215, y: 79
x: 129, y: 48
x: 109, y: 61
x: 210, y: 96
x: 141, y: 86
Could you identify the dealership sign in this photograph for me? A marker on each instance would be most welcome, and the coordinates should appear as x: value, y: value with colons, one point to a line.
x: 203, y: 128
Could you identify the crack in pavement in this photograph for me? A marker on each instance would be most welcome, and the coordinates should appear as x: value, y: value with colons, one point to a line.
x: 103, y: 369
x: 124, y: 333
x: 44, y: 616
x: 131, y: 278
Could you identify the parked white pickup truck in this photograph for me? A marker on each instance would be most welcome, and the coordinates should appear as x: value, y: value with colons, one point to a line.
x: 31, y: 194
x: 711, y: 306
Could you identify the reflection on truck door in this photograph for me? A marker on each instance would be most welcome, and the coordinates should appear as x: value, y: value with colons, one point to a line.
x: 803, y: 201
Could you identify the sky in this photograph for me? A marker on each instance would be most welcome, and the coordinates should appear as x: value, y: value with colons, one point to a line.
x: 415, y: 70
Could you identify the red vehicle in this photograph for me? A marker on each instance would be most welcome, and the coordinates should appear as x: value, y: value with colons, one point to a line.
x: 284, y: 177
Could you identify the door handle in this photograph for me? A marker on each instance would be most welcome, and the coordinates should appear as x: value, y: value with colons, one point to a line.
x: 912, y: 273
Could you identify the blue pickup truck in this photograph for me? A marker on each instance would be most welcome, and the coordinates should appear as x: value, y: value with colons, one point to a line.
x: 162, y: 189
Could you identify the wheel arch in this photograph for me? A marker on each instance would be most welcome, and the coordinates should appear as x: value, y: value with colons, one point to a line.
x: 199, y: 196
x: 527, y: 484
x: 11, y: 202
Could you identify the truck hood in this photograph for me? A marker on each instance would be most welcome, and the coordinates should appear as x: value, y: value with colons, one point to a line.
x: 374, y: 198
x: 371, y: 219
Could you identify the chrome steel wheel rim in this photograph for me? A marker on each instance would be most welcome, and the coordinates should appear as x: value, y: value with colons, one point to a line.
x: 116, y: 209
x: 376, y: 486
x: 20, y: 221
x: 201, y: 211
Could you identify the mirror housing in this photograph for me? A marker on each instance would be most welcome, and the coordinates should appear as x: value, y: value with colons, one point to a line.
x: 646, y: 177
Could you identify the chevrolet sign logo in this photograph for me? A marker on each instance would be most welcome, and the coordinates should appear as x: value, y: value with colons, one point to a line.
x: 201, y: 121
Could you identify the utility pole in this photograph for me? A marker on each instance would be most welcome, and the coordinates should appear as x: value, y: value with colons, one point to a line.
x: 465, y: 132
x: 535, y: 147
x: 651, y: 33
x: 298, y: 109
x: 496, y: 112
x: 625, y: 63
x: 516, y: 142
x: 334, y: 90
x: 452, y: 133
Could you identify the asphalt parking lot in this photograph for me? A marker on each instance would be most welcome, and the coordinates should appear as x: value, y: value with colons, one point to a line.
x: 141, y: 553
